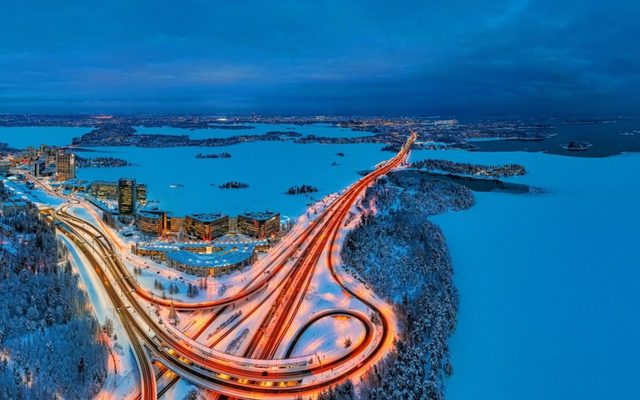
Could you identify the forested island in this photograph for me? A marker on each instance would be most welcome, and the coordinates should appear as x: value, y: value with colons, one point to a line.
x: 285, y: 133
x: 233, y: 185
x: 577, y: 146
x: 101, y: 162
x: 390, y: 132
x: 404, y: 257
x: 496, y: 171
x: 118, y: 135
x: 50, y: 347
x: 214, y: 155
x: 301, y: 189
x: 394, y: 148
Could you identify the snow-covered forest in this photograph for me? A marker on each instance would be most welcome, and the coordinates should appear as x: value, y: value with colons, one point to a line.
x: 50, y: 345
x: 496, y: 171
x: 404, y: 257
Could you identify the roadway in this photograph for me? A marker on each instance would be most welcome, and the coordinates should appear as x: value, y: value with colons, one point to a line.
x: 257, y: 373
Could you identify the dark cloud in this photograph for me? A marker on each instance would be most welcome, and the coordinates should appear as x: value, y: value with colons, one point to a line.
x: 363, y: 57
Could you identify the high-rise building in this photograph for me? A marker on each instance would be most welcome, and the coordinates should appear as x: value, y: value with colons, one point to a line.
x: 261, y: 225
x: 206, y: 226
x: 152, y: 222
x: 39, y: 167
x: 104, y: 190
x: 126, y: 196
x: 141, y: 193
x: 65, y: 166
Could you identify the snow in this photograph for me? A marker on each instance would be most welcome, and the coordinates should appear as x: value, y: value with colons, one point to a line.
x: 36, y: 195
x: 269, y: 168
x: 179, y: 391
x: 548, y: 282
x: 327, y: 336
x: 117, y: 386
x: 21, y: 137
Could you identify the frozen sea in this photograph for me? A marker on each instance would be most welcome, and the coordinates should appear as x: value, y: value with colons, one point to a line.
x: 549, y: 283
x: 21, y: 137
x: 184, y: 184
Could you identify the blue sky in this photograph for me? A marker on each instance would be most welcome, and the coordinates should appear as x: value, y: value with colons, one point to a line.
x: 346, y: 57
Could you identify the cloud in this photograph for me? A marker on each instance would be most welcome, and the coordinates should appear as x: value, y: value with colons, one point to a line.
x: 325, y: 56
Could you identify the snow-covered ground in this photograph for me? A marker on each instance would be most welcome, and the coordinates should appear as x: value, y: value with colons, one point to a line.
x: 36, y: 195
x: 184, y: 184
x: 20, y: 137
x: 325, y: 294
x: 329, y: 337
x: 548, y: 282
x: 117, y: 386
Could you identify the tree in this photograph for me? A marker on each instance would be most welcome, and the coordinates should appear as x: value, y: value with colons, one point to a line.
x: 108, y: 327
x: 173, y: 316
x: 82, y: 366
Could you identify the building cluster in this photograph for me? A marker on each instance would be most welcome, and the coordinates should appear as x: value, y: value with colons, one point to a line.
x: 131, y: 198
x: 127, y: 192
x: 207, y: 227
x: 46, y: 161
x: 202, y: 248
x: 204, y: 259
x: 258, y: 224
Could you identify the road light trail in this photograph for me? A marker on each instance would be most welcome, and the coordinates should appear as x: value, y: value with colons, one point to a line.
x: 237, y: 376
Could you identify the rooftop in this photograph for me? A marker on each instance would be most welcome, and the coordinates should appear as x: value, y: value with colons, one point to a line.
x: 151, y: 213
x: 226, y: 255
x: 207, y: 217
x: 224, y: 241
x: 260, y: 215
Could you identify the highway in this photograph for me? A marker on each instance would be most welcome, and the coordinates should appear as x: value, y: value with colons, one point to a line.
x: 280, y: 288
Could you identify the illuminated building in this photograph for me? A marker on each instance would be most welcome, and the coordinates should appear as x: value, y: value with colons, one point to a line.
x: 202, y: 259
x: 206, y: 226
x: 174, y: 224
x: 104, y: 190
x: 259, y: 224
x: 152, y: 222
x: 141, y: 193
x: 126, y: 196
x: 65, y: 166
x: 39, y: 167
x: 109, y: 190
x: 31, y: 152
x: 77, y: 186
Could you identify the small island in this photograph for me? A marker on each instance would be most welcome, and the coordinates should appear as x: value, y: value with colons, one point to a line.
x: 214, y: 155
x: 101, y: 162
x: 292, y: 134
x: 577, y: 146
x: 302, y: 189
x: 234, y: 185
x: 494, y: 171
x: 394, y: 148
